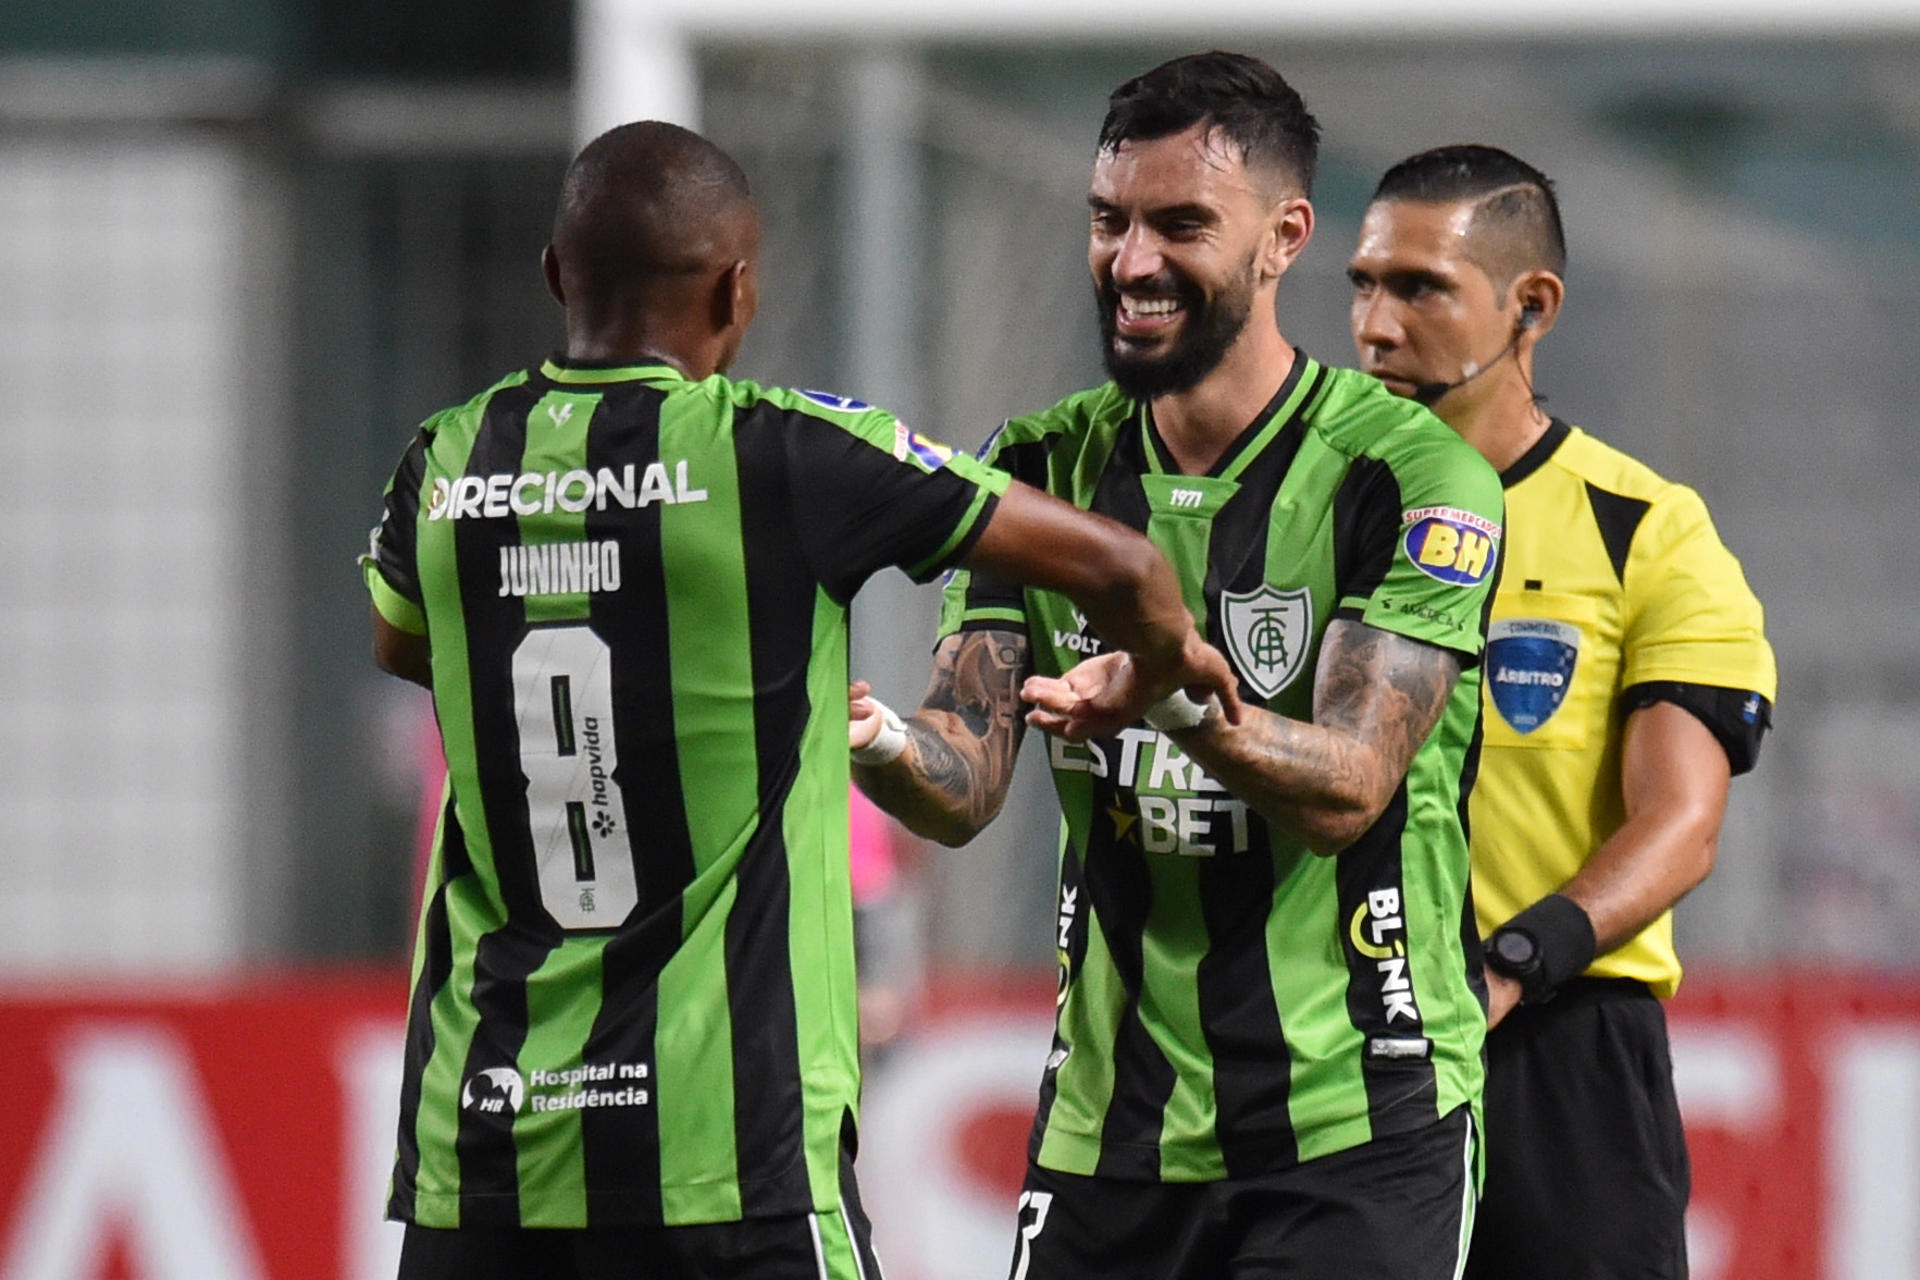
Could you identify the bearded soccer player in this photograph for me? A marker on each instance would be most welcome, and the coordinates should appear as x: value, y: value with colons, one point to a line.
x: 1628, y: 679
x: 1267, y: 1051
x: 632, y: 1048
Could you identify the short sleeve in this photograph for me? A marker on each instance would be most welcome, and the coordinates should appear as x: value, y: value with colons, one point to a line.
x: 1431, y: 558
x: 974, y: 599
x: 868, y: 493
x: 1692, y: 618
x: 389, y: 566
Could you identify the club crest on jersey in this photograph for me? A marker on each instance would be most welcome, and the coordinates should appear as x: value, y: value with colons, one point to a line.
x: 911, y: 444
x: 1268, y: 634
x: 1450, y: 545
x: 1530, y: 665
x: 839, y: 404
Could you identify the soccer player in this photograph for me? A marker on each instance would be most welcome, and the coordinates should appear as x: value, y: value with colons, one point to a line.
x: 1627, y: 680
x: 1268, y: 1036
x: 632, y: 1047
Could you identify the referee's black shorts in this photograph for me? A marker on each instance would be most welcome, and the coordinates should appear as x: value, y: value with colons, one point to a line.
x: 1587, y: 1173
x: 1396, y: 1208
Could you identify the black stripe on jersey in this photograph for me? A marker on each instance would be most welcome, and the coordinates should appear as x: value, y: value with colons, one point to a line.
x: 1026, y: 462
x: 1119, y: 495
x: 1251, y: 1075
x: 1470, y: 770
x: 1237, y: 545
x: 1366, y: 528
x: 1164, y: 456
x: 1401, y: 1091
x: 435, y: 969
x: 503, y: 959
x: 1143, y: 1078
x: 1619, y: 519
x: 1069, y: 906
x: 395, y: 538
x: 767, y: 1111
x: 1537, y: 454
x: 621, y: 1145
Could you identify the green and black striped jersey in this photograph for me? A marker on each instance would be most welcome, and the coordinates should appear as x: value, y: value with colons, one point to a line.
x: 633, y: 995
x: 1231, y: 1003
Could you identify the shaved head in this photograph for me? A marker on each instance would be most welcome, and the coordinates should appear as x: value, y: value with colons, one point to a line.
x: 1516, y: 218
x: 644, y: 204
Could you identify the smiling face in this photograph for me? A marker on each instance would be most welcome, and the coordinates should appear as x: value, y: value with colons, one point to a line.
x: 1424, y: 312
x: 1184, y: 243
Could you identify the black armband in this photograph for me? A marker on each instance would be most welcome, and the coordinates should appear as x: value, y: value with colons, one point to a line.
x: 1548, y: 943
x: 1738, y: 718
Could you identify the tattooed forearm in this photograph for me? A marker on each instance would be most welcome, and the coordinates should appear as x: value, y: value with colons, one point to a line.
x: 961, y: 745
x: 1376, y: 698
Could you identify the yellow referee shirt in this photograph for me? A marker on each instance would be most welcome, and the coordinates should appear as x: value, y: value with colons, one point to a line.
x: 1617, y: 593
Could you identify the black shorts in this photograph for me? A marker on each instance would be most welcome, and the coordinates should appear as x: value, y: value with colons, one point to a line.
x: 1587, y: 1173
x: 812, y: 1246
x: 1397, y: 1208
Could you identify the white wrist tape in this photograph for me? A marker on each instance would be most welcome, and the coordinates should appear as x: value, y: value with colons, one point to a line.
x: 1178, y: 711
x: 888, y: 743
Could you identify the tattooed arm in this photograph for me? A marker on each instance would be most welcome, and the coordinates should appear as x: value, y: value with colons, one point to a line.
x: 1376, y: 697
x: 953, y: 776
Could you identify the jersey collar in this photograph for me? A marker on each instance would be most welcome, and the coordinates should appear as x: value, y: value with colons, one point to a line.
x: 1248, y: 444
x: 1536, y: 457
x: 558, y: 368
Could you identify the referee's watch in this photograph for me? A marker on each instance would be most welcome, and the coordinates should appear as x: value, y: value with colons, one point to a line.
x: 1542, y: 947
x: 1515, y: 953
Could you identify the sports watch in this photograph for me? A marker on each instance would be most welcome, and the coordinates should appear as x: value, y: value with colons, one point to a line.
x: 1515, y: 953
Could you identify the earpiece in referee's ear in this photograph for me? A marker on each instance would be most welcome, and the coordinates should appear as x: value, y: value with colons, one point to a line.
x: 1529, y: 316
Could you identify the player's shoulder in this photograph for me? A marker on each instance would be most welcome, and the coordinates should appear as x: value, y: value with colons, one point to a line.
x: 467, y: 415
x: 1667, y: 503
x: 1084, y: 414
x: 1358, y: 416
x: 1591, y: 459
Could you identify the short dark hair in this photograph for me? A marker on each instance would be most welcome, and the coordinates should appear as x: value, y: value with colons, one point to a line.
x: 1242, y: 97
x: 1516, y: 226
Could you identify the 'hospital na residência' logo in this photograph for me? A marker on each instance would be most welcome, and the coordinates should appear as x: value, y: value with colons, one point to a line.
x: 496, y: 1090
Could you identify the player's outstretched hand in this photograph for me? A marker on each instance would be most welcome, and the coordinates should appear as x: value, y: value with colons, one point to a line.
x: 1104, y: 695
x: 863, y: 715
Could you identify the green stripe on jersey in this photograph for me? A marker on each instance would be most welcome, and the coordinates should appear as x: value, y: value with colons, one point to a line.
x: 557, y: 446
x: 547, y: 1144
x: 452, y: 1014
x: 1328, y: 1097
x: 710, y: 638
x: 1176, y: 931
x: 820, y: 930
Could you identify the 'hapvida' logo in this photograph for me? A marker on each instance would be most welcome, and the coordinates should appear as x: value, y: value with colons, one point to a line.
x: 496, y: 1091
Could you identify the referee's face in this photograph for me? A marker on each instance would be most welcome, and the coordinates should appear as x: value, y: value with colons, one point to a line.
x: 1184, y: 243
x: 1423, y: 312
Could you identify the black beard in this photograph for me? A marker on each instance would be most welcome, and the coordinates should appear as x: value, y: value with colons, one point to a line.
x: 1212, y: 327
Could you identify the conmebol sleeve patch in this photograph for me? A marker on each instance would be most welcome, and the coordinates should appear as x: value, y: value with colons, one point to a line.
x: 1450, y: 545
x: 908, y: 443
x: 839, y: 404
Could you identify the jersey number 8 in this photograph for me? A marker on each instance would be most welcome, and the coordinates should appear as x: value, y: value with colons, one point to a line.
x: 563, y: 696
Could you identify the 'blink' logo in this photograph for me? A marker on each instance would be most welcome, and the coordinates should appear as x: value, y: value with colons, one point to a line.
x: 496, y: 1091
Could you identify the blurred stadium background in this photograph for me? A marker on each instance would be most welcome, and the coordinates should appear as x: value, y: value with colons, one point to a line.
x: 245, y: 245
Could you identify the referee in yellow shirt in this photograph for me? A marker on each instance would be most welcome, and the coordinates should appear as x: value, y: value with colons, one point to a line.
x: 1627, y: 680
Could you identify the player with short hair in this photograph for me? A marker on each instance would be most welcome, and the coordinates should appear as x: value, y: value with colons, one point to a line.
x: 1628, y: 678
x: 632, y: 1046
x: 1268, y: 1037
